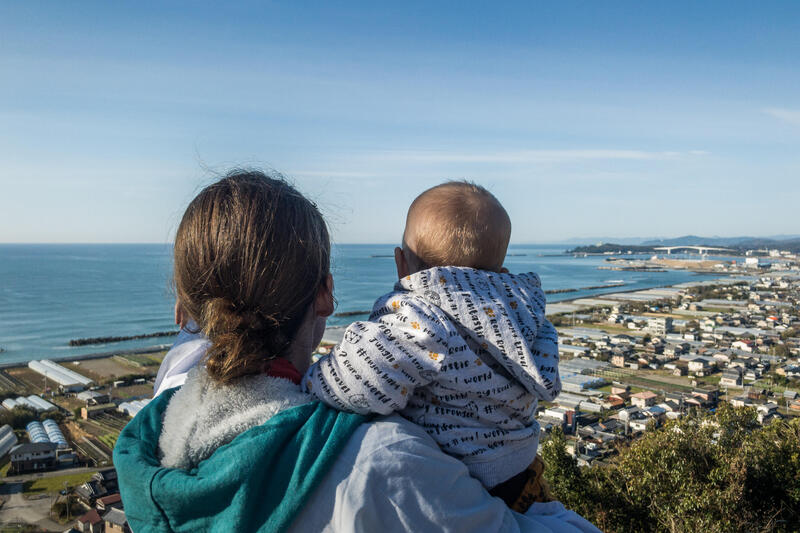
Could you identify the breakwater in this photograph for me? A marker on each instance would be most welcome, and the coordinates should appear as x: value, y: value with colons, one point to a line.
x: 552, y: 291
x: 590, y: 288
x: 106, y: 340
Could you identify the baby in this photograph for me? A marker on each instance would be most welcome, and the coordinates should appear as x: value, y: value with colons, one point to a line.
x: 460, y: 346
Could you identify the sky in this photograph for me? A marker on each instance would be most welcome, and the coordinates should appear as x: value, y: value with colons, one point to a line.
x: 585, y: 119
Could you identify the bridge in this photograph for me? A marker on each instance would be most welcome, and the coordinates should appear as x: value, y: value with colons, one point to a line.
x: 700, y: 249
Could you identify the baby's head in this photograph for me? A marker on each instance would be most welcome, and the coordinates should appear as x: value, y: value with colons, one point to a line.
x: 457, y: 223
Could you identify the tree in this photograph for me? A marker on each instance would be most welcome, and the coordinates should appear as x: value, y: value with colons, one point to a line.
x: 561, y: 471
x: 17, y: 417
x: 707, y: 472
x: 781, y: 350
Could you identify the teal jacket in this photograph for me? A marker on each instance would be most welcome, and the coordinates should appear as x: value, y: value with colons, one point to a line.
x: 257, y: 482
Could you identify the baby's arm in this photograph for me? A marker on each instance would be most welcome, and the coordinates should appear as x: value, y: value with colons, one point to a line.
x: 379, y: 363
x: 545, y: 356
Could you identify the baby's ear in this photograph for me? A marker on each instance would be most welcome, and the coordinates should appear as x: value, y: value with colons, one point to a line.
x: 401, y: 262
x: 503, y: 270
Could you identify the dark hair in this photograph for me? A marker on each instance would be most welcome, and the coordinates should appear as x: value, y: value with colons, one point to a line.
x: 250, y: 255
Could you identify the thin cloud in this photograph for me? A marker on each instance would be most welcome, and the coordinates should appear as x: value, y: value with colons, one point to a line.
x: 792, y: 116
x: 524, y: 156
x: 330, y: 174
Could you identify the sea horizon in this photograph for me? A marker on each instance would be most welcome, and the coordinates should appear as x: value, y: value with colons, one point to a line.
x: 54, y: 293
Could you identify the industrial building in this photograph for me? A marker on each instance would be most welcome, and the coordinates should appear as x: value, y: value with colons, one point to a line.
x: 131, y: 408
x: 47, y: 431
x: 31, y: 402
x: 54, y: 433
x: 66, y: 379
x: 9, y: 403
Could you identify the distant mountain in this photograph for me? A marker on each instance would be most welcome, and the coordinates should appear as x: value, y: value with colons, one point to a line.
x: 694, y: 240
x: 686, y: 240
x: 732, y: 242
x: 738, y: 245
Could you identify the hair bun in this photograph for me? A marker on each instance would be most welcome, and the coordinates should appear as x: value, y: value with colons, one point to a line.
x: 250, y: 254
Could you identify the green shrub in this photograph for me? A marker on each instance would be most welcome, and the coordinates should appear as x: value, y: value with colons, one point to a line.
x: 712, y: 473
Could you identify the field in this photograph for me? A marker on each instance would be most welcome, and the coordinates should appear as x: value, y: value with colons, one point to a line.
x: 649, y: 381
x: 101, y: 370
x: 141, y: 360
x: 54, y: 484
x: 9, y: 384
x: 30, y: 380
x: 134, y: 391
x: 612, y: 329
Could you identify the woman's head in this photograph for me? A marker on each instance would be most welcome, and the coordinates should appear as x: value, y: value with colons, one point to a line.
x: 251, y: 255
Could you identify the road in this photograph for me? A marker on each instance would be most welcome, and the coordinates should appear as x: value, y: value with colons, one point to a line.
x: 18, y: 509
x: 37, y: 509
x: 53, y: 473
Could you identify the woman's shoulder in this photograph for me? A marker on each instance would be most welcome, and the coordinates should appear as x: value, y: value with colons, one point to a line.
x: 392, y: 476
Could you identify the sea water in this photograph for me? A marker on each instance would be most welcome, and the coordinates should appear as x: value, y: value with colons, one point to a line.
x: 50, y: 294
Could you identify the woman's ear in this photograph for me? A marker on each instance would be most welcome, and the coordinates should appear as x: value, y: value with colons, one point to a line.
x: 323, y: 303
x: 181, y: 318
x: 401, y: 262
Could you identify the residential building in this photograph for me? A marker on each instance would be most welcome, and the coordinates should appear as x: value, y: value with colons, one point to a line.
x: 115, y: 521
x: 731, y: 377
x: 33, y: 456
x: 659, y: 325
x: 644, y: 399
x: 90, y: 522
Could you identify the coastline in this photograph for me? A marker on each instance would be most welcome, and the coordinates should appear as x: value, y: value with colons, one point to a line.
x: 334, y: 334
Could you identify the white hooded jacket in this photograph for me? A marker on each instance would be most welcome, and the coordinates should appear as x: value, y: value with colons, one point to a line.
x: 464, y: 353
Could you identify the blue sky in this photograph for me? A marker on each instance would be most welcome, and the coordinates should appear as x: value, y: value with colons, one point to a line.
x: 585, y: 119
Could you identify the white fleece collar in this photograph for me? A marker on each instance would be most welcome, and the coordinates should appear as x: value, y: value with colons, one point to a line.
x: 204, y: 415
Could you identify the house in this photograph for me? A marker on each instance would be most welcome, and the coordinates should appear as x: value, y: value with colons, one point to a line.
x: 656, y: 413
x: 618, y: 360
x: 643, y: 399
x: 744, y: 345
x: 33, y: 456
x: 731, y: 377
x: 701, y: 364
x: 102, y: 485
x: 90, y: 522
x: 93, y: 411
x: 623, y: 391
x: 112, y: 501
x: 741, y: 401
x: 108, y: 478
x: 629, y: 413
x: 90, y: 491
x: 614, y: 401
x: 752, y: 375
x: 93, y: 397
x: 115, y: 521
x: 673, y: 349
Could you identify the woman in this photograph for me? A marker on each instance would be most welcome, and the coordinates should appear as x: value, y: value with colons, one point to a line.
x: 239, y: 447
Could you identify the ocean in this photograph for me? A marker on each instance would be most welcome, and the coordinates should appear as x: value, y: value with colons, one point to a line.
x: 52, y: 293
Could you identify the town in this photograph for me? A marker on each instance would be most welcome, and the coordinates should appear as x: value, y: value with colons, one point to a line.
x: 631, y: 361
x: 58, y: 425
